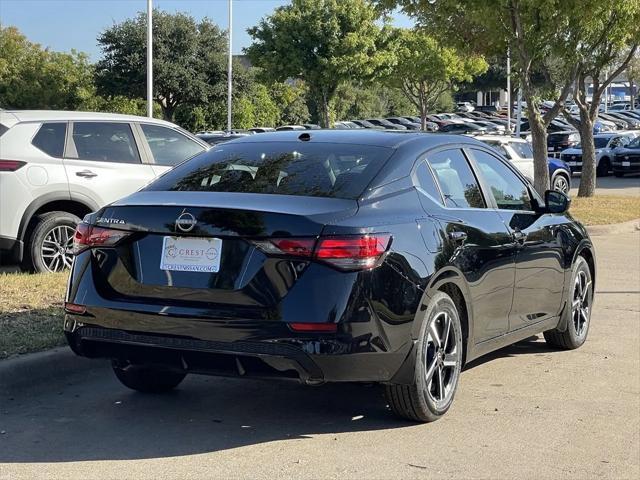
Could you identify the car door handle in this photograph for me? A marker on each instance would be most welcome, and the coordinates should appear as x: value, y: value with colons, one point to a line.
x: 86, y: 174
x: 519, y: 236
x: 457, y: 236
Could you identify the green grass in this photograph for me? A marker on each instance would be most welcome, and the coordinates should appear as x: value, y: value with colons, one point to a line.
x: 605, y: 209
x: 31, y: 313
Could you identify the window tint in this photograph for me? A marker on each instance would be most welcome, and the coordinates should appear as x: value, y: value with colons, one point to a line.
x: 426, y: 182
x: 286, y: 168
x: 506, y: 187
x: 457, y: 182
x: 168, y: 146
x: 522, y: 149
x: 105, y: 142
x: 3, y: 129
x: 50, y: 138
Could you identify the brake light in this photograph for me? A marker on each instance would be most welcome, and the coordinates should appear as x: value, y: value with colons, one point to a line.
x: 88, y: 236
x: 343, y: 252
x: 11, y: 165
x: 74, y: 308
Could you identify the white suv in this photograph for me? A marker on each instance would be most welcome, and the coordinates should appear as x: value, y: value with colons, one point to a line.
x: 55, y: 167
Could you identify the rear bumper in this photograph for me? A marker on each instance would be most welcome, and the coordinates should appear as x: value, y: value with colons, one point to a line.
x: 11, y: 250
x: 311, y: 360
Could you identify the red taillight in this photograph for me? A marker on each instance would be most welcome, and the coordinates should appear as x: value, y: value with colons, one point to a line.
x: 314, y: 327
x: 88, y: 236
x: 344, y: 252
x: 11, y: 165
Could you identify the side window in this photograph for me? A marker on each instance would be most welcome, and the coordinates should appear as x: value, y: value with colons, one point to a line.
x: 50, y: 138
x: 457, y: 182
x: 105, y: 142
x: 424, y: 179
x: 168, y: 146
x: 509, y: 192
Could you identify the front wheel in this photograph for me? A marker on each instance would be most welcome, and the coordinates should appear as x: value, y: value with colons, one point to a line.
x: 604, y: 167
x: 561, y: 184
x: 146, y: 379
x: 438, y: 365
x: 577, y: 314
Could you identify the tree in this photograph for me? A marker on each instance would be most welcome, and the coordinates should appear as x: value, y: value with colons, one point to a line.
x: 189, y: 63
x: 538, y: 32
x: 424, y: 69
x: 321, y: 42
x: 633, y: 75
x: 32, y: 77
x: 292, y: 101
x: 610, y: 37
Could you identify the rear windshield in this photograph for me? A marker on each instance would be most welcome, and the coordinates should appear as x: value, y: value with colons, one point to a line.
x: 285, y: 168
x: 3, y: 129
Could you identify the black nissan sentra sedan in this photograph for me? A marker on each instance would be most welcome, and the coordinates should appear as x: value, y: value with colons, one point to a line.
x: 329, y: 256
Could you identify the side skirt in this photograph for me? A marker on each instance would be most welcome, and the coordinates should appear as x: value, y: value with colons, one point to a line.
x: 510, y: 338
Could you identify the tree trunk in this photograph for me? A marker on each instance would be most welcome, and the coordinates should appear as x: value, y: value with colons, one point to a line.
x: 588, y: 176
x: 540, y: 155
x: 324, y: 104
x: 423, y: 117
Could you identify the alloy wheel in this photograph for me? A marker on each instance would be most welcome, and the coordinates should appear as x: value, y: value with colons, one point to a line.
x: 56, y: 249
x: 580, y: 308
x: 561, y: 184
x: 442, y: 357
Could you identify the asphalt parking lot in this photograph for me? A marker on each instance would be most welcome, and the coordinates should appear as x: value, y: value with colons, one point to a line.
x: 628, y: 185
x: 524, y: 412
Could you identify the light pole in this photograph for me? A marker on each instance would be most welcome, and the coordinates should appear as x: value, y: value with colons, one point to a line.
x: 149, y: 58
x: 508, y: 90
x: 230, y: 70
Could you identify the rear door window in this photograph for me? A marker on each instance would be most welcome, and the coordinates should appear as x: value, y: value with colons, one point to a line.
x: 168, y: 146
x: 105, y: 142
x: 458, y: 184
x: 509, y: 192
x: 426, y: 182
x: 285, y: 168
x: 50, y: 138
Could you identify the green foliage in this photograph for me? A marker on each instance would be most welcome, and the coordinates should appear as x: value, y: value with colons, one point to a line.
x: 189, y: 60
x: 424, y: 69
x: 291, y: 100
x: 361, y: 100
x: 322, y: 42
x: 31, y: 77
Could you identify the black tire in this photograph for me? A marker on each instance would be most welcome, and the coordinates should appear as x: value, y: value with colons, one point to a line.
x: 39, y: 229
x: 146, y: 379
x: 561, y: 183
x: 577, y: 326
x: 418, y: 402
x: 618, y: 174
x: 604, y: 167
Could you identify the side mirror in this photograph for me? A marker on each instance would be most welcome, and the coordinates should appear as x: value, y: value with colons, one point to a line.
x: 556, y: 202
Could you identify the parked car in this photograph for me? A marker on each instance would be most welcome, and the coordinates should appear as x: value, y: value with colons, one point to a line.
x: 311, y: 126
x: 465, y: 107
x: 518, y: 151
x: 605, y: 144
x: 215, y: 138
x: 341, y: 257
x: 383, y: 123
x: 431, y: 126
x: 342, y: 126
x: 632, y: 119
x: 366, y: 124
x: 262, y: 129
x: 409, y: 125
x: 462, y: 128
x: 561, y: 140
x: 56, y: 167
x: 490, y: 126
x: 289, y: 127
x: 620, y: 124
x: 627, y: 159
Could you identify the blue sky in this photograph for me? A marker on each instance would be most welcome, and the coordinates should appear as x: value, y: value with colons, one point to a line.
x: 66, y: 24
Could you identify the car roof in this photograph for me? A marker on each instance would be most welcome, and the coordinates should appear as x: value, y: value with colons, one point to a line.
x: 11, y: 117
x: 373, y: 137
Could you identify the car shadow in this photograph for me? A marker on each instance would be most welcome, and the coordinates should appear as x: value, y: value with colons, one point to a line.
x: 533, y: 345
x: 90, y: 416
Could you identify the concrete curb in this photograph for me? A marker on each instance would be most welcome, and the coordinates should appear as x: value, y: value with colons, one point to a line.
x: 625, y: 227
x: 33, y: 368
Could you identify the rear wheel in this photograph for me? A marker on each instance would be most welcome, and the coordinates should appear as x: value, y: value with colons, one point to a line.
x: 50, y: 241
x: 604, y: 167
x: 146, y: 379
x: 578, y: 314
x: 438, y: 365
